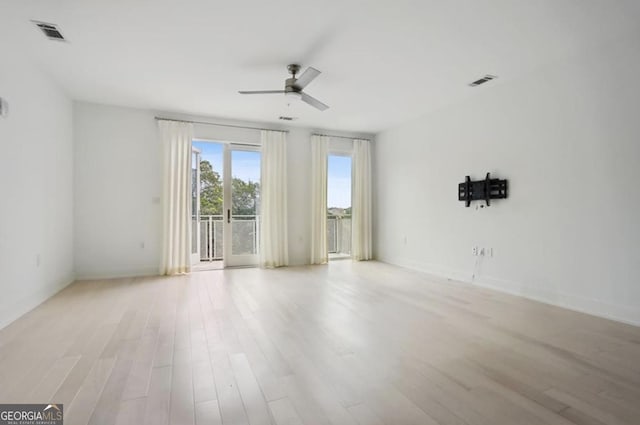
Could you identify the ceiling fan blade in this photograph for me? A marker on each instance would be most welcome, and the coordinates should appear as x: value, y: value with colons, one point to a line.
x: 262, y: 92
x: 307, y: 76
x: 313, y: 102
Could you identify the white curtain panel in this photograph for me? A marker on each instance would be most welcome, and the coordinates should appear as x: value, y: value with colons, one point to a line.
x: 176, y: 197
x: 319, y: 152
x: 361, y: 248
x: 274, y: 250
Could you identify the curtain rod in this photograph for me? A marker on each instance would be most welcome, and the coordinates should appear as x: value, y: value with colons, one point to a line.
x: 339, y: 137
x: 220, y: 125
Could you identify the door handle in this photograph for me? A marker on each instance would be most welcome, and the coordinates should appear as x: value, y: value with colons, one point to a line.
x: 228, y: 216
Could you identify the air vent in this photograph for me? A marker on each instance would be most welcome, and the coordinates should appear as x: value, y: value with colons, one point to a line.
x: 287, y: 118
x: 483, y: 80
x: 50, y: 30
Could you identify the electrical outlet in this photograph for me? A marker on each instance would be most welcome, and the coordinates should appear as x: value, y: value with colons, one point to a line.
x: 475, y: 250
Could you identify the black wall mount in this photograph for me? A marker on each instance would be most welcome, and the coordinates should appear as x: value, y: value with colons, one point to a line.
x: 479, y: 190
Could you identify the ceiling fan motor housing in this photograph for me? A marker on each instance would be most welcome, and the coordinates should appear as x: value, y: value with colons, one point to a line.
x: 290, y: 85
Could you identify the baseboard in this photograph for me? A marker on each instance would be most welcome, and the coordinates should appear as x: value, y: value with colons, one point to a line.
x: 431, y: 269
x: 26, y: 304
x: 606, y: 310
x: 117, y: 274
x: 594, y: 307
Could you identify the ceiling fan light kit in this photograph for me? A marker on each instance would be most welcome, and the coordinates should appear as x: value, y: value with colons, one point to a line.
x: 294, y: 87
x: 294, y: 95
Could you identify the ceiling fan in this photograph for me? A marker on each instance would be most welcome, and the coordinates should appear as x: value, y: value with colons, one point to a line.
x: 293, y: 87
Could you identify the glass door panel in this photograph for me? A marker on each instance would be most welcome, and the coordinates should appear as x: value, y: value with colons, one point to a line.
x: 242, y: 206
x: 211, y: 211
x: 339, y: 206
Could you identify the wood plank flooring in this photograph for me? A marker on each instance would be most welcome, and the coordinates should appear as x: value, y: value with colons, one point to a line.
x: 349, y: 343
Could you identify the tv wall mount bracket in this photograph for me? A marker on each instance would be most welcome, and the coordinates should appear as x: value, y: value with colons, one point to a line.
x: 479, y: 190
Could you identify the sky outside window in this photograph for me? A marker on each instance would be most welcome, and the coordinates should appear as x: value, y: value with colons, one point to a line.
x: 212, y: 152
x: 246, y: 164
x: 339, y: 181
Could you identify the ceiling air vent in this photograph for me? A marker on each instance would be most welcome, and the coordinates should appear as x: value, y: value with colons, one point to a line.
x: 50, y: 30
x: 483, y: 80
x: 287, y: 118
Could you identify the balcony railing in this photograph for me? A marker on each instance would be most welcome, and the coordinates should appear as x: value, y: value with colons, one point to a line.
x: 211, y: 234
x: 245, y: 233
x: 339, y: 234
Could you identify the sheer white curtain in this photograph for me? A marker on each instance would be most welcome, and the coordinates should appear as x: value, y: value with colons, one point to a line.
x: 361, y: 212
x: 274, y: 250
x: 176, y: 196
x: 319, y: 152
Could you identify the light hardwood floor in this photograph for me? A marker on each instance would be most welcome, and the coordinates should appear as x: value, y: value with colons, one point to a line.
x: 348, y: 343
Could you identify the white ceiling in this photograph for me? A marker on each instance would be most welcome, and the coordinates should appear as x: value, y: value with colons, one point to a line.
x: 382, y: 62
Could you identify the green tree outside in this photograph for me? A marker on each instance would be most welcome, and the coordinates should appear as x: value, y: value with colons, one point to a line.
x: 211, y: 194
x: 245, y: 195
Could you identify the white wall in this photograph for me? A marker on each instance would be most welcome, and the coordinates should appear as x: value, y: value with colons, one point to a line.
x: 36, y: 197
x: 567, y: 138
x: 118, y: 184
x: 117, y: 190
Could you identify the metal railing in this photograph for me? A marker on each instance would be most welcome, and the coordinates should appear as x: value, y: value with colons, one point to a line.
x: 245, y: 233
x: 211, y: 234
x: 339, y: 234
